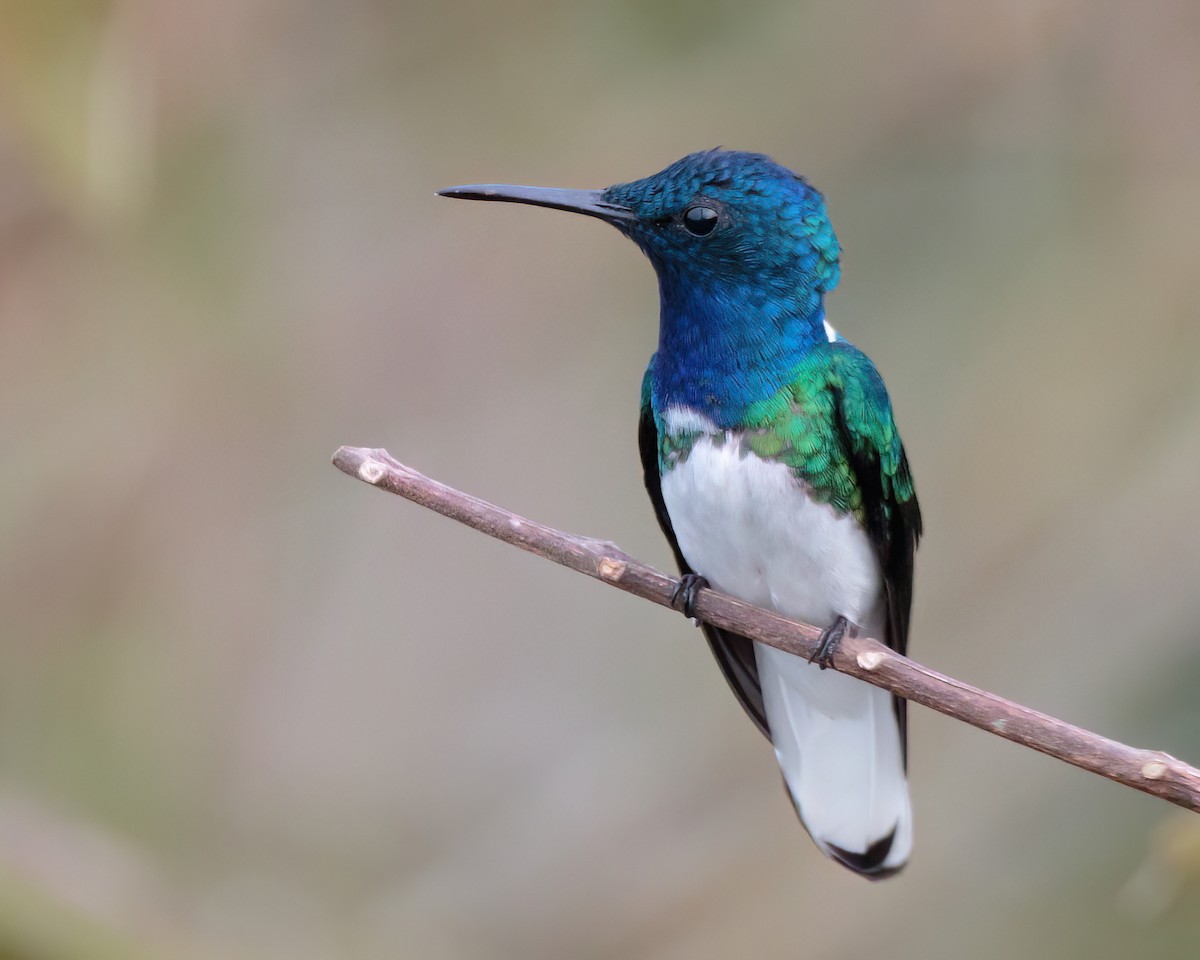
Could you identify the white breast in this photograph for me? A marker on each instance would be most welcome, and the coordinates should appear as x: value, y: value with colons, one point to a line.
x: 752, y: 529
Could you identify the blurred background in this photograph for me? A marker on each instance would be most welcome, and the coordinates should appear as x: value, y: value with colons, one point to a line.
x: 251, y: 709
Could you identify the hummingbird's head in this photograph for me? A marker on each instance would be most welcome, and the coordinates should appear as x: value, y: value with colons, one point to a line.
x: 731, y: 217
x: 720, y: 220
x: 744, y: 253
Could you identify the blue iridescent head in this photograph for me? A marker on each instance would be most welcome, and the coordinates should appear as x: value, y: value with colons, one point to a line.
x: 724, y: 217
x: 745, y: 254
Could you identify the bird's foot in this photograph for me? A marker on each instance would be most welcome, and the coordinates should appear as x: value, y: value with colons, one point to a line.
x: 684, y: 597
x: 831, y: 636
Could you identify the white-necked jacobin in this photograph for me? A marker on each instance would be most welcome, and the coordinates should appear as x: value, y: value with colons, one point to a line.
x: 776, y: 471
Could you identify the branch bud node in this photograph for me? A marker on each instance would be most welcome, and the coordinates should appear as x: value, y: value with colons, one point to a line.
x: 612, y: 570
x: 871, y: 659
x: 371, y: 471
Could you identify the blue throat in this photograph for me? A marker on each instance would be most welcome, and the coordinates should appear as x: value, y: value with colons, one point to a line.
x: 723, y: 345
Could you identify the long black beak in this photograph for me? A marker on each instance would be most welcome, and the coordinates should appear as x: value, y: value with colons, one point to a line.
x: 589, y: 202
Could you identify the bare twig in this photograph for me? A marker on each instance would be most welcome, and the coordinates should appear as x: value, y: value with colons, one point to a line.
x: 1150, y: 771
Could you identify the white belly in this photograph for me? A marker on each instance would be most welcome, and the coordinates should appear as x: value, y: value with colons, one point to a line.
x: 751, y: 528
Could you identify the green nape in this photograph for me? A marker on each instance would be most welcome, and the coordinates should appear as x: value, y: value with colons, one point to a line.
x: 832, y: 425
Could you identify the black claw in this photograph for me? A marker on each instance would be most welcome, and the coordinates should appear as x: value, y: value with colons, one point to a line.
x: 684, y: 597
x: 831, y: 636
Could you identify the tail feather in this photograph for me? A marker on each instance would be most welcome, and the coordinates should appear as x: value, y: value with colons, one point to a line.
x: 840, y: 750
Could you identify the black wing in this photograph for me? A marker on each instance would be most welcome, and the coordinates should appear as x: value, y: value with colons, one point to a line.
x: 734, y: 653
x: 892, y: 514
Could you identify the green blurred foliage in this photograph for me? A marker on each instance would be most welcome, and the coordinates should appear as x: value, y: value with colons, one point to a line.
x: 249, y: 709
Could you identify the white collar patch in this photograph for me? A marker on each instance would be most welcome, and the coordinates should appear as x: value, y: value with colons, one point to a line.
x: 681, y: 419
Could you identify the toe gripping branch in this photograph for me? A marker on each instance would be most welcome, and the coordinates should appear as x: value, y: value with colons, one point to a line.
x: 684, y: 597
x: 690, y: 584
x: 831, y: 636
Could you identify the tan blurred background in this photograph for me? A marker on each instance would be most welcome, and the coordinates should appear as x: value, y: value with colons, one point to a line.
x: 251, y: 709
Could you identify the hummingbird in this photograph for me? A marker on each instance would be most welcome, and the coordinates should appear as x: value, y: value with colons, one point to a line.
x: 772, y: 458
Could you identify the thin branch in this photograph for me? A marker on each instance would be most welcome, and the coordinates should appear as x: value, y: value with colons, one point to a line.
x: 1150, y: 771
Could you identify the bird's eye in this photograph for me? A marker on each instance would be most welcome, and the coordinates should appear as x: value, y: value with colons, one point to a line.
x: 699, y: 220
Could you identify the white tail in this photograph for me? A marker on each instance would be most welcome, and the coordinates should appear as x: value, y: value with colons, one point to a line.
x: 838, y: 744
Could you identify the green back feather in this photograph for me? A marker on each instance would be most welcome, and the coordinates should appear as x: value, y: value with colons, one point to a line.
x: 832, y: 423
